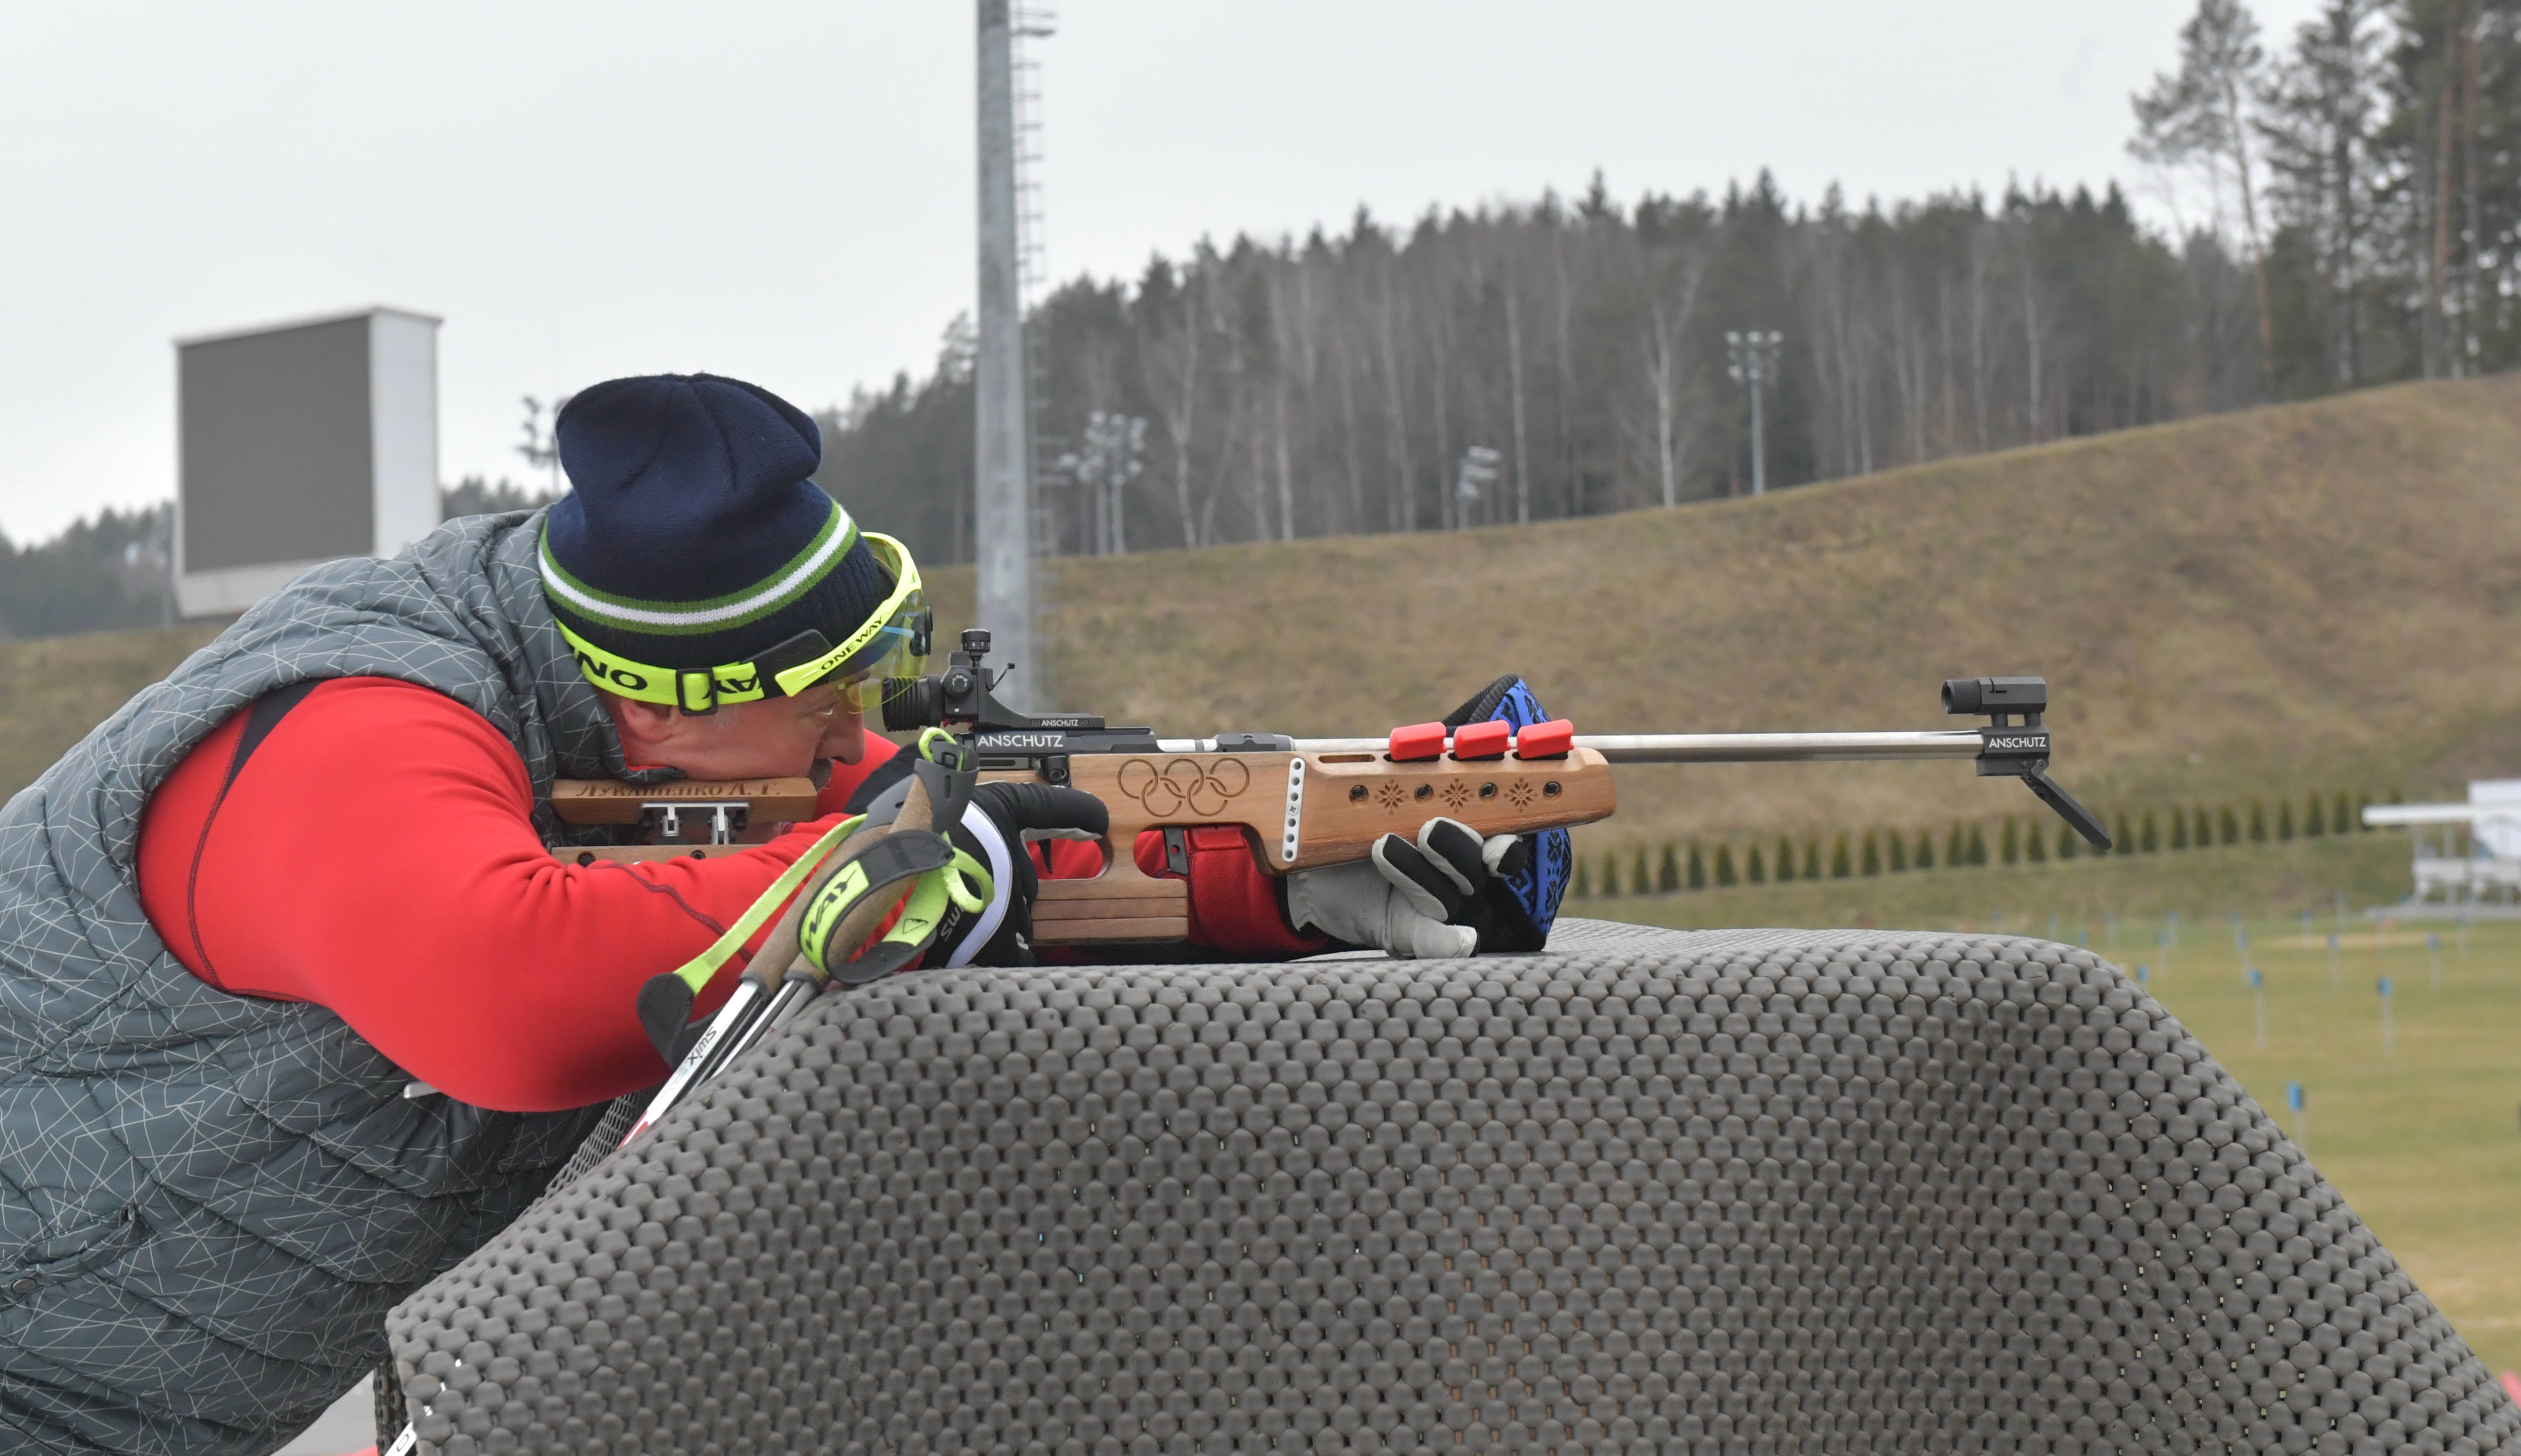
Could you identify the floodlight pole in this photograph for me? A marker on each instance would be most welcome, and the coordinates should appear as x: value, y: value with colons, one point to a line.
x: 1002, y: 500
x: 1753, y: 359
x: 1759, y: 442
x: 1478, y: 471
x: 1128, y: 441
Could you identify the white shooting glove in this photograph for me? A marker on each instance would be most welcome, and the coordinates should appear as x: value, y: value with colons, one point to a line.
x: 1403, y: 898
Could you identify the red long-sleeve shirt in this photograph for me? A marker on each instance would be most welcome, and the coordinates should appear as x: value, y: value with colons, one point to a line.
x: 376, y: 856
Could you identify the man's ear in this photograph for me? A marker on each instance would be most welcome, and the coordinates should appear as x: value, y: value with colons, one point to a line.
x: 644, y: 727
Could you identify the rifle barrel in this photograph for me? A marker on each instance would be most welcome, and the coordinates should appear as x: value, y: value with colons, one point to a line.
x: 1699, y: 747
x: 1781, y: 747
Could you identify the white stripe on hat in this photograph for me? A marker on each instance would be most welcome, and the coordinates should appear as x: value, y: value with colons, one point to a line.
x: 608, y: 612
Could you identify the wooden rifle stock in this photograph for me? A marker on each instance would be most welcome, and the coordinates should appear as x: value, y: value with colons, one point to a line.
x: 1301, y: 809
x: 1326, y: 800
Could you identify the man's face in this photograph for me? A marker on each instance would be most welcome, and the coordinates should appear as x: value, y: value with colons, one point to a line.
x: 770, y: 738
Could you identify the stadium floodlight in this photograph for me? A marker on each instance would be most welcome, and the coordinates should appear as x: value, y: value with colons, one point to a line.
x: 1114, y: 457
x: 1479, y: 471
x: 1754, y: 359
x: 300, y: 442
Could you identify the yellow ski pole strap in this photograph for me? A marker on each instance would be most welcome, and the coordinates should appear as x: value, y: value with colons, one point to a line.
x: 916, y: 926
x: 698, y: 971
x: 966, y: 873
x: 925, y: 910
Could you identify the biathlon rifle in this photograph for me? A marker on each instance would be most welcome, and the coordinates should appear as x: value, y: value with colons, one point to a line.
x: 1310, y: 802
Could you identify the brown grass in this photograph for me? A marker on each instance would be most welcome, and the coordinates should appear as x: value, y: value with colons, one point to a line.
x: 54, y: 690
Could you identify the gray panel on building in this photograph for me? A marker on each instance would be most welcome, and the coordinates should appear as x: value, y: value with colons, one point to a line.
x: 278, y: 448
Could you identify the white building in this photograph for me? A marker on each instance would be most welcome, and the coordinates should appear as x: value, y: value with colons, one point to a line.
x: 2467, y: 855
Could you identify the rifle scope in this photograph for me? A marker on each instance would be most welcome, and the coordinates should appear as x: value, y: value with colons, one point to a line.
x: 960, y: 694
x: 912, y: 702
x: 1995, y: 695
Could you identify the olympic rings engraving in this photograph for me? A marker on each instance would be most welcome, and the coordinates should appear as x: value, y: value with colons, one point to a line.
x: 1185, y: 783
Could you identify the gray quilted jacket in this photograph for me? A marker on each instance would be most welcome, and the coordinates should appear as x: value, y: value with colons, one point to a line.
x: 209, y: 1202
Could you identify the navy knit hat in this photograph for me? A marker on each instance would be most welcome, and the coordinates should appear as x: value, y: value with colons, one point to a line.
x: 693, y: 535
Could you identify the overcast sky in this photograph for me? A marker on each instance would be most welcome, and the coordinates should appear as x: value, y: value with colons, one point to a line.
x: 784, y: 191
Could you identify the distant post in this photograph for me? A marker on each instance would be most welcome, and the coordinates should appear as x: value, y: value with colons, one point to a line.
x: 2388, y: 1040
x: 2336, y: 972
x: 2296, y: 1103
x: 1753, y: 360
x: 1478, y: 471
x: 2259, y: 1006
x: 2433, y: 961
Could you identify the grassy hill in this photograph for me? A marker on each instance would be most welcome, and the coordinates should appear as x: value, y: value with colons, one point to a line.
x: 53, y: 690
x: 2315, y: 595
x: 2322, y: 595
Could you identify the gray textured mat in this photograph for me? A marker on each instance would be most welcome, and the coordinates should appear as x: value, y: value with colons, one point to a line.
x: 1735, y: 1191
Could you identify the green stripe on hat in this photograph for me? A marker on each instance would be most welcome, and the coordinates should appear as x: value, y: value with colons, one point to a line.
x: 772, y: 593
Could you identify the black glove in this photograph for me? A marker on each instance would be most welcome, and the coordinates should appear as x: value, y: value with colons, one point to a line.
x: 1003, y: 819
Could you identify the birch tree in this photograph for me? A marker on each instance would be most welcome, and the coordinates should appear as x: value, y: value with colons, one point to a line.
x: 2200, y: 115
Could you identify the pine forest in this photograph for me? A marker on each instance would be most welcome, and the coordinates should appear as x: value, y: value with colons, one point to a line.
x: 2351, y: 197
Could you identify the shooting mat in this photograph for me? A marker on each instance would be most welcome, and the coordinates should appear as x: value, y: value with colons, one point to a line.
x: 1652, y: 1191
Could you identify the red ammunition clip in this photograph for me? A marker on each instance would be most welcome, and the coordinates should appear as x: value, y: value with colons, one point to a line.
x: 1555, y: 739
x: 1482, y: 740
x: 1417, y: 741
